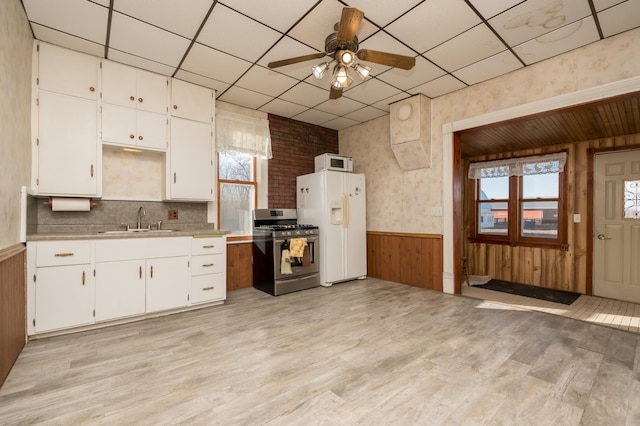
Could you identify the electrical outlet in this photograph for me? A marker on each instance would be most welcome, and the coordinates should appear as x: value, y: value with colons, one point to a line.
x: 172, y: 214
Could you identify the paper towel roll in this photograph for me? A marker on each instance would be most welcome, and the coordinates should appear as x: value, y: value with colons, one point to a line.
x: 70, y: 204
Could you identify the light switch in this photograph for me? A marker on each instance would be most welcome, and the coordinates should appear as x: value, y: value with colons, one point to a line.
x: 577, y: 218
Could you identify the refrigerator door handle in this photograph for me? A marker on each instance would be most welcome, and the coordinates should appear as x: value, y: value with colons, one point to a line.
x: 345, y: 210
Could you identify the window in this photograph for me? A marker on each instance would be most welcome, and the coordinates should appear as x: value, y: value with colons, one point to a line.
x: 237, y: 189
x: 519, y: 201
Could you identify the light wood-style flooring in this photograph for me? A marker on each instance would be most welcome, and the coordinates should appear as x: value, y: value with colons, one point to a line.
x: 365, y: 352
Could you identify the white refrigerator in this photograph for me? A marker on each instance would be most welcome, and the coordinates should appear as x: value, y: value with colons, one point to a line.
x: 336, y: 202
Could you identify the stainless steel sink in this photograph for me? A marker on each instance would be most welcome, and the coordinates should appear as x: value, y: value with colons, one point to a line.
x: 137, y: 231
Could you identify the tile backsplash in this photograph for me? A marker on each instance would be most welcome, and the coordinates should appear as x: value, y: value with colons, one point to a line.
x: 115, y: 215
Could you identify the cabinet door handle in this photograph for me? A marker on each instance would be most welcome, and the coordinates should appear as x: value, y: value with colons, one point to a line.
x: 208, y: 247
x: 175, y: 107
x: 151, y: 271
x: 132, y: 98
x: 63, y: 254
x: 207, y: 288
x: 140, y: 272
x: 92, y: 89
x: 140, y: 138
x: 207, y: 265
x: 140, y: 100
x: 84, y: 277
x: 92, y: 170
x: 131, y: 136
x: 174, y: 178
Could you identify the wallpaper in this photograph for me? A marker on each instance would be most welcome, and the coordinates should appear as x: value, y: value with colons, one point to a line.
x: 403, y: 201
x: 15, y: 113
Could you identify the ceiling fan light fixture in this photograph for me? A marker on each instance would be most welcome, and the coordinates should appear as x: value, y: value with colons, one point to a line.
x: 320, y: 70
x: 341, y: 77
x: 346, y: 57
x: 362, y: 71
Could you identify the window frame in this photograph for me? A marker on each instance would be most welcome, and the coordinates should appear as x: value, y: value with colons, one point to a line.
x: 514, y: 216
x: 253, y: 182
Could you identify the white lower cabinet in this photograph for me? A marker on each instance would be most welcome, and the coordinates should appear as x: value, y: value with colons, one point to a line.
x: 61, y: 284
x: 81, y: 283
x: 120, y: 289
x: 208, y: 269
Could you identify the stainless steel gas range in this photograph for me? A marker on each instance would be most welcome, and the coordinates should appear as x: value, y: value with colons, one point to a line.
x: 285, y: 253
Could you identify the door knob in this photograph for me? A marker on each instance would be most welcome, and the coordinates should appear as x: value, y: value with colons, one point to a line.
x: 603, y: 237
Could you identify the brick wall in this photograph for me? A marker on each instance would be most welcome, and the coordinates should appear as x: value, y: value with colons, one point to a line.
x: 294, y: 145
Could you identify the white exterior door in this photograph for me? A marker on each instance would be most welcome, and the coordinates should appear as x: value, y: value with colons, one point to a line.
x: 616, y: 265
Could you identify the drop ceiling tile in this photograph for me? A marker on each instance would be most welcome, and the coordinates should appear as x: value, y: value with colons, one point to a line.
x: 266, y: 81
x: 559, y: 41
x: 340, y: 106
x: 318, y: 24
x: 531, y: 19
x: 620, y: 18
x: 200, y: 80
x: 371, y: 91
x: 314, y: 116
x: 339, y: 123
x: 306, y: 94
x: 433, y: 22
x: 384, y: 104
x: 80, y: 18
x: 423, y: 71
x: 68, y: 41
x: 237, y: 35
x: 438, y: 87
x: 490, y: 8
x: 283, y: 108
x: 471, y: 46
x: 604, y: 4
x: 183, y: 18
x: 138, y: 38
x: 489, y: 68
x: 290, y: 48
x: 245, y: 98
x: 214, y: 64
x: 281, y: 14
x: 365, y: 114
x: 381, y: 12
x: 138, y: 62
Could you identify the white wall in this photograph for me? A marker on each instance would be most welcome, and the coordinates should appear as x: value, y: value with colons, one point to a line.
x: 15, y: 116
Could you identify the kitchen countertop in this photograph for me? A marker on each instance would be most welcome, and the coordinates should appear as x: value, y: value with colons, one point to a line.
x: 197, y: 233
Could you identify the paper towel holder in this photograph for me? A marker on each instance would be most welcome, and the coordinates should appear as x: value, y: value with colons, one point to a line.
x: 92, y: 203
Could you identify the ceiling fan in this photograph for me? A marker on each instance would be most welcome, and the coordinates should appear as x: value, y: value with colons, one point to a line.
x: 342, y: 47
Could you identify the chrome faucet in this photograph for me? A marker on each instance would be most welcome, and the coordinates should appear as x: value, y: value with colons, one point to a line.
x: 141, y: 212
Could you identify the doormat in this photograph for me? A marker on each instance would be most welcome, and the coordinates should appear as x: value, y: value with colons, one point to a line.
x: 556, y: 296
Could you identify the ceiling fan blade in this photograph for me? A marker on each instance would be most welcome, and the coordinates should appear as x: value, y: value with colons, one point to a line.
x: 283, y: 62
x: 335, y: 93
x: 384, y: 58
x: 349, y: 23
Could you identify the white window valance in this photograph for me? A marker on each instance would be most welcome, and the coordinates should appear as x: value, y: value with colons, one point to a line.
x: 538, y: 165
x: 241, y: 133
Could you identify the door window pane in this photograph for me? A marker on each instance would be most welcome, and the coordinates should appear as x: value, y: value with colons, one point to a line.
x: 539, y: 219
x: 540, y: 186
x: 493, y: 218
x: 236, y: 204
x: 632, y: 199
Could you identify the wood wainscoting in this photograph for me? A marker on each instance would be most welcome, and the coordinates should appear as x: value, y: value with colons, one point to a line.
x: 413, y: 259
x: 13, y: 306
x: 239, y: 268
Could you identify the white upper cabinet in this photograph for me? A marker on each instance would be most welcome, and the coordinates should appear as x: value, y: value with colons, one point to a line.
x: 65, y: 71
x: 134, y: 88
x: 190, y: 171
x: 131, y: 127
x: 191, y: 101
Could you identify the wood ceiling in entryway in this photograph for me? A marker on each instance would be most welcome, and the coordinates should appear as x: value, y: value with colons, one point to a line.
x: 616, y: 116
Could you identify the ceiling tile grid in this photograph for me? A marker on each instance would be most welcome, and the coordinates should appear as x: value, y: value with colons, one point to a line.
x: 227, y: 44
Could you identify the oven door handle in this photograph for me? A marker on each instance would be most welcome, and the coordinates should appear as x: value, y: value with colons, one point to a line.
x: 312, y: 239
